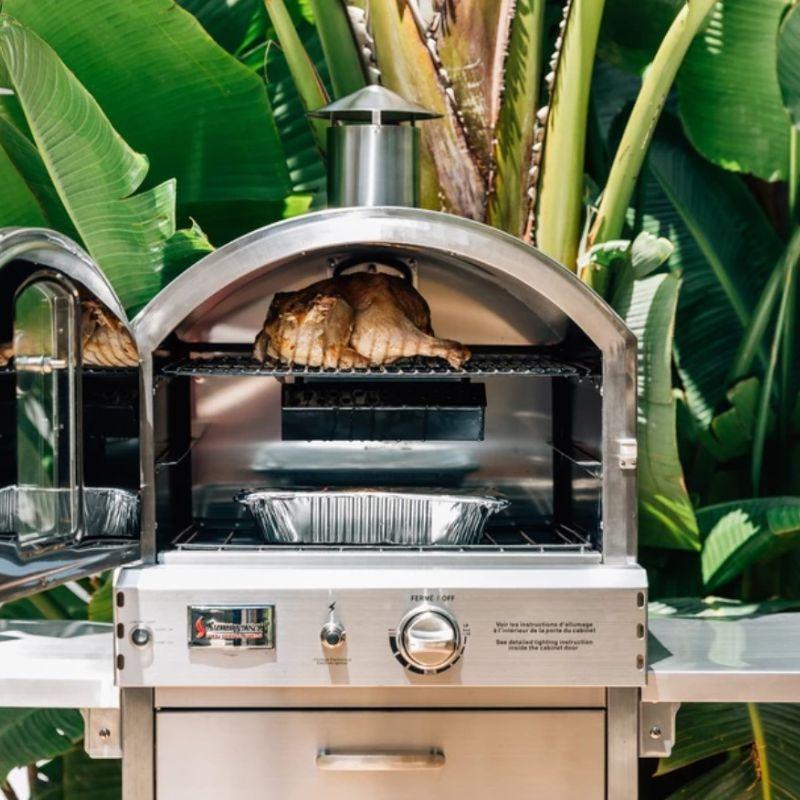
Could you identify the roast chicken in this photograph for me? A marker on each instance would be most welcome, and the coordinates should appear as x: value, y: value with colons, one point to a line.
x: 104, y: 339
x: 360, y: 319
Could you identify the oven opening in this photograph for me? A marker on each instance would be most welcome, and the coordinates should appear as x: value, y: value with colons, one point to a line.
x: 520, y: 421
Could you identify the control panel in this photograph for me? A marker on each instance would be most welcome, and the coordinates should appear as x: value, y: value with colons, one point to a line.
x: 243, y: 626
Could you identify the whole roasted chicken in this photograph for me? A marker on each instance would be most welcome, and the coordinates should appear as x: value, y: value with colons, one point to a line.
x: 359, y: 319
x: 104, y: 339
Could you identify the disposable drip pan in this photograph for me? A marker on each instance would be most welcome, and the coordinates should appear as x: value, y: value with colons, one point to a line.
x: 370, y: 516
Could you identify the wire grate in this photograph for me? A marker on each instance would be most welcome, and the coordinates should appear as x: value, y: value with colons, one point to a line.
x: 487, y: 361
x: 239, y: 536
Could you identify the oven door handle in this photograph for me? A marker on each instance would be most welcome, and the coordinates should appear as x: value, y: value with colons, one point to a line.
x: 379, y: 760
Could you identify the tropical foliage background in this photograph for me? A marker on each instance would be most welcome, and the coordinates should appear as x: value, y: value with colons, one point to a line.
x: 650, y: 145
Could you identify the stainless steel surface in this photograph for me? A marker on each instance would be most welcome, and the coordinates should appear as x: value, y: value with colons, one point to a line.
x: 48, y: 413
x: 406, y: 697
x: 370, y: 516
x: 51, y: 249
x: 373, y: 104
x: 57, y: 664
x: 429, y: 638
x: 511, y: 754
x: 388, y: 761
x: 552, y: 626
x: 707, y: 660
x: 657, y: 729
x: 138, y: 746
x: 33, y: 248
x: 102, y: 732
x: 622, y: 742
x: 105, y: 512
x: 373, y: 165
x: 247, y: 627
x: 479, y: 270
x: 333, y: 635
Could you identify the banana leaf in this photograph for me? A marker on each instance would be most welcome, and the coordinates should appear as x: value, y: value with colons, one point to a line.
x: 31, y: 734
x: 739, y: 534
x: 18, y: 204
x: 731, y: 432
x: 172, y: 93
x: 226, y: 21
x: 761, y: 744
x: 558, y: 206
x: 94, y: 171
x: 451, y: 179
x: 725, y: 250
x: 666, y: 517
x: 514, y: 129
x: 789, y: 62
x: 729, y: 98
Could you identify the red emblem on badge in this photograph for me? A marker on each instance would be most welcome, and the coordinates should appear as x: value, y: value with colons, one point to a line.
x: 200, y: 628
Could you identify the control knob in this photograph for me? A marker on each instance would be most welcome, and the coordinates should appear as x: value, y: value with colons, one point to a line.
x: 429, y: 639
x: 332, y: 635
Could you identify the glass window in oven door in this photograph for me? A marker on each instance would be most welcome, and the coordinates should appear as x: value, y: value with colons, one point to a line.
x: 48, y: 506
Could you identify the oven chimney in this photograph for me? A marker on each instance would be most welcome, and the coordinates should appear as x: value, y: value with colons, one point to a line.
x: 373, y: 148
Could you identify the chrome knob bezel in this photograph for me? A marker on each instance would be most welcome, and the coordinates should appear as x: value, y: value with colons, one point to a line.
x: 335, y: 628
x: 408, y: 659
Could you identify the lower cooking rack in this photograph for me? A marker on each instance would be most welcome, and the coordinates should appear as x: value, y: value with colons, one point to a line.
x: 212, y: 535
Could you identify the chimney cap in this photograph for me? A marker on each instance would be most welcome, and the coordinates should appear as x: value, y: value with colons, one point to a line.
x: 375, y: 104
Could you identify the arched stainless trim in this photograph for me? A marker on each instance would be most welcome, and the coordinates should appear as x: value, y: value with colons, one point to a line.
x: 52, y: 249
x: 503, y: 255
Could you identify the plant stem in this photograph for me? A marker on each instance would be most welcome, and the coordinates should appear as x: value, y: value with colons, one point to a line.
x: 305, y: 76
x: 641, y: 124
x: 339, y: 46
x: 45, y: 606
x: 560, y: 199
x: 7, y: 791
x: 789, y: 263
x: 760, y: 742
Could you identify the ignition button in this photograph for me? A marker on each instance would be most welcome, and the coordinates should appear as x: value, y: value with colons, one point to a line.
x: 141, y: 635
x: 332, y: 635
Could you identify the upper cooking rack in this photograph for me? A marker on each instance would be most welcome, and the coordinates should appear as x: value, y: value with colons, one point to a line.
x: 485, y: 361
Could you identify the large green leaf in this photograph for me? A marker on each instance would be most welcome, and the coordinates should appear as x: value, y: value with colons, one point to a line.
x: 730, y: 102
x: 32, y: 734
x: 633, y: 30
x: 515, y: 123
x: 789, y: 62
x: 28, y: 163
x: 197, y: 113
x: 666, y: 517
x: 737, y: 535
x: 762, y: 747
x: 450, y: 176
x: 339, y: 45
x: 94, y: 171
x: 559, y: 200
x: 227, y: 21
x: 18, y: 204
x: 725, y: 250
x: 731, y: 432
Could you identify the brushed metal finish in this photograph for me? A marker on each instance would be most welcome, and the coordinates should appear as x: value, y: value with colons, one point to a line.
x: 373, y: 165
x: 622, y: 741
x: 430, y: 638
x: 522, y: 627
x: 552, y: 295
x: 138, y: 745
x: 387, y: 761
x: 704, y: 660
x: 514, y: 755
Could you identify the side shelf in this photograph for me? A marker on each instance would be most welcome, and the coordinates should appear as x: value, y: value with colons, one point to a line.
x: 707, y: 660
x: 57, y: 664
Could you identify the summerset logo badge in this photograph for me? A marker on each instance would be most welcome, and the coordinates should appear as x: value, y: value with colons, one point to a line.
x: 231, y: 627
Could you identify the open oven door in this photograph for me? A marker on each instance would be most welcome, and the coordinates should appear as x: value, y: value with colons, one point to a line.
x: 69, y: 417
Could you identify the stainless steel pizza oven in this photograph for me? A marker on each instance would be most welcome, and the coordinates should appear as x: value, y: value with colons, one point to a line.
x: 363, y: 666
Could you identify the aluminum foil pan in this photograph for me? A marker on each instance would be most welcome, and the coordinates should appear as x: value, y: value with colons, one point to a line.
x: 107, y: 512
x: 369, y: 516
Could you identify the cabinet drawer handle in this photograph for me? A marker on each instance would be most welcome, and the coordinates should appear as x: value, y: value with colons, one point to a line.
x: 379, y: 760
